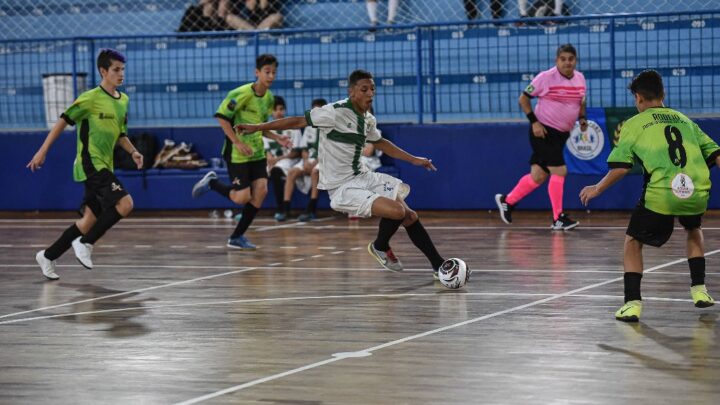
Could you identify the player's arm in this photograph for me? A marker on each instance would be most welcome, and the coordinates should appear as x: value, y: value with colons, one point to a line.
x: 612, y: 177
x: 283, y: 140
x: 526, y: 107
x: 227, y: 129
x: 275, y: 125
x: 393, y: 151
x: 125, y: 143
x: 582, y: 117
x: 39, y: 158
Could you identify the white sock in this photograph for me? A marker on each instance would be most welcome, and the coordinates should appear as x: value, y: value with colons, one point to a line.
x: 392, y: 9
x: 522, y: 6
x: 372, y: 11
x: 558, y: 7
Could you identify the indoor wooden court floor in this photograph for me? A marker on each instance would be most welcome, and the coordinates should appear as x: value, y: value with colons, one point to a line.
x: 169, y: 315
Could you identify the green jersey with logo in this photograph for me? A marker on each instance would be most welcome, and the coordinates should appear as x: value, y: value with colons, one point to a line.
x: 674, y: 153
x: 101, y: 119
x: 243, y: 106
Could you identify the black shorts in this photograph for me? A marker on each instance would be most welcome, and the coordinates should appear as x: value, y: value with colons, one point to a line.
x: 243, y: 174
x: 548, y: 151
x: 102, y: 191
x: 651, y: 228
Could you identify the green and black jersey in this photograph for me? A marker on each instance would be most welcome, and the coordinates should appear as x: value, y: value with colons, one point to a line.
x: 675, y: 154
x: 101, y: 119
x: 243, y: 106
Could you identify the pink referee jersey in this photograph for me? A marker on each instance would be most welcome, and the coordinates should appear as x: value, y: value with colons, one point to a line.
x: 559, y: 98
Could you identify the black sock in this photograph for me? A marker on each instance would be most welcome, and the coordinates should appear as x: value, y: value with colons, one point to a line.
x: 632, y: 286
x: 276, y: 179
x: 312, y: 206
x: 220, y: 187
x: 386, y: 230
x: 419, y: 236
x: 63, y: 243
x: 697, y: 271
x: 105, y: 221
x: 286, y: 207
x: 248, y: 214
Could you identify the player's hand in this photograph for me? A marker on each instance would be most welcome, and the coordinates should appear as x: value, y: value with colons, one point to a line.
x: 138, y: 158
x: 539, y: 130
x: 37, y: 161
x: 583, y: 124
x: 243, y: 148
x: 284, y: 141
x: 246, y: 128
x: 588, y: 193
x: 424, y: 162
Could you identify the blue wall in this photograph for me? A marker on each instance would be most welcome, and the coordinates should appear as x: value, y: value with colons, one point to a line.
x: 475, y: 161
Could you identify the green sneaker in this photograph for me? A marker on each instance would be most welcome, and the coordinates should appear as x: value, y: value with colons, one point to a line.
x: 630, y: 312
x: 700, y: 296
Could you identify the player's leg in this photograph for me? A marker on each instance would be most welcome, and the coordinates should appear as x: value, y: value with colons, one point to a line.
x: 277, y: 179
x: 696, y: 261
x: 526, y: 185
x: 257, y: 174
x: 645, y: 228
x: 293, y: 174
x: 311, y: 211
x: 556, y: 186
x: 115, y: 204
x: 392, y: 215
x: 421, y: 239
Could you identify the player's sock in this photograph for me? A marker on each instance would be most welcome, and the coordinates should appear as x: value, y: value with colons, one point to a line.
x: 105, y: 221
x: 276, y: 179
x: 286, y: 207
x: 632, y: 286
x: 372, y: 11
x: 419, y: 236
x: 525, y: 186
x: 63, y: 243
x: 386, y: 230
x: 555, y: 190
x: 312, y: 206
x: 220, y: 187
x: 697, y: 270
x: 248, y: 214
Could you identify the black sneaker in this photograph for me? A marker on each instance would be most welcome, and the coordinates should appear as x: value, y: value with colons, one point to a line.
x: 504, y: 208
x: 564, y: 223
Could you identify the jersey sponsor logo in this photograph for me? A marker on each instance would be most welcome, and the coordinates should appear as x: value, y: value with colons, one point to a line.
x: 682, y: 186
x: 231, y: 104
x: 115, y: 187
x: 106, y: 116
x: 586, y: 145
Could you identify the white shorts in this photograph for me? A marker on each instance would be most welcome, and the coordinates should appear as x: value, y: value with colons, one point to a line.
x: 302, y: 183
x: 356, y: 197
x: 284, y: 165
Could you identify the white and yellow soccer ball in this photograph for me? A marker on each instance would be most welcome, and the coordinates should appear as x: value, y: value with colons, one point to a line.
x: 454, y: 273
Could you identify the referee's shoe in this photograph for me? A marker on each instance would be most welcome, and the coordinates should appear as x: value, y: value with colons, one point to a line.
x: 564, y: 223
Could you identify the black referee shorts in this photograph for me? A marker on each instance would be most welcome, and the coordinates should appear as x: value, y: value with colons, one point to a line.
x: 102, y: 191
x: 243, y: 174
x: 548, y: 151
x: 651, y: 228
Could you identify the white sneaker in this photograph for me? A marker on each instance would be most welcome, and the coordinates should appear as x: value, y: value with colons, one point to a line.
x: 83, y: 252
x: 46, y: 265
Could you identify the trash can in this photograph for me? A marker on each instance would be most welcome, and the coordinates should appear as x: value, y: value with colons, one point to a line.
x: 58, y: 93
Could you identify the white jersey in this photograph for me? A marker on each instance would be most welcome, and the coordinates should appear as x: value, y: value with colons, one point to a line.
x: 343, y: 133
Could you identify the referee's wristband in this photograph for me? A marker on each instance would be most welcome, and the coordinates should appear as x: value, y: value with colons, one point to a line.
x: 531, y: 116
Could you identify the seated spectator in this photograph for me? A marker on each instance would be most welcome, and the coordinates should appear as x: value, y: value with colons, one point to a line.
x: 542, y: 8
x: 372, y: 7
x: 251, y: 14
x: 202, y: 17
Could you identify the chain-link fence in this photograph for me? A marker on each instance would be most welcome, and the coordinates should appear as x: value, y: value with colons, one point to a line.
x: 75, y: 18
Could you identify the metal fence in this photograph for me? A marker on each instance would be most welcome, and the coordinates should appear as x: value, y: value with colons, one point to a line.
x: 424, y: 73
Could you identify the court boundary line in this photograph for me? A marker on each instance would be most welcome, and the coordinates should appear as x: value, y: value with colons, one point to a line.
x: 418, y: 336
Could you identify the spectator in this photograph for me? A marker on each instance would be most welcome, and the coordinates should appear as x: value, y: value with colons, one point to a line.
x: 202, y: 17
x: 372, y: 11
x: 542, y: 8
x: 471, y: 9
x: 251, y: 14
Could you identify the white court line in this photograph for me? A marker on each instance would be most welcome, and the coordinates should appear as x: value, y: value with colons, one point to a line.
x: 106, y: 246
x: 178, y: 246
x: 330, y: 297
x: 356, y: 248
x: 297, y: 260
x: 288, y: 247
x: 214, y: 247
x: 417, y: 336
x: 142, y: 246
x: 139, y: 290
x: 337, y: 252
x: 316, y: 256
x: 326, y: 248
